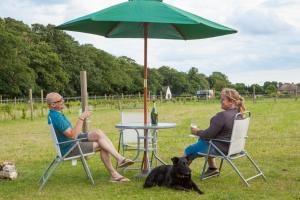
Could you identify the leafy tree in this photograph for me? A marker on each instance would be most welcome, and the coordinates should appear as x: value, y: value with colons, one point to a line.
x: 241, y: 88
x: 176, y: 80
x: 196, y: 81
x: 47, y: 66
x: 268, y: 83
x: 258, y: 89
x: 155, y: 81
x: 218, y: 81
x: 15, y: 76
x: 271, y: 89
x: 41, y: 57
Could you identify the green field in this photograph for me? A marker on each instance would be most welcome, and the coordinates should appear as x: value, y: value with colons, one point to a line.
x: 274, y: 143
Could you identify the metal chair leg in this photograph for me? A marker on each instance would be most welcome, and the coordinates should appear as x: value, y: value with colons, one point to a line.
x: 260, y: 173
x: 206, y: 160
x: 151, y: 159
x: 85, y: 166
x: 237, y: 171
x: 47, y: 169
x: 58, y: 161
x: 87, y: 170
x: 220, y: 167
x: 119, y: 146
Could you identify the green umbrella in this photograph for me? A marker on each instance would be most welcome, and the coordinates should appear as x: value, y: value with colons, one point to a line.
x: 146, y: 19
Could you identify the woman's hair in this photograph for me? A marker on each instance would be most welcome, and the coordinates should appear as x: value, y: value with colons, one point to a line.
x: 233, y: 95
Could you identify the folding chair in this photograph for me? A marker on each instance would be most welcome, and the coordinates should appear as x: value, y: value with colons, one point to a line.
x: 60, y: 158
x: 133, y: 139
x: 236, y: 148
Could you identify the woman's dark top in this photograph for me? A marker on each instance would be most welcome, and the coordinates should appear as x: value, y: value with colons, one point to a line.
x: 221, y: 126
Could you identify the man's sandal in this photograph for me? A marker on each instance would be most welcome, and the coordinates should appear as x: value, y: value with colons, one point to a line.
x: 125, y: 163
x: 121, y: 179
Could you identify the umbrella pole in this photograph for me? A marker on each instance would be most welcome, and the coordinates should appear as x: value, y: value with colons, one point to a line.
x: 145, y: 157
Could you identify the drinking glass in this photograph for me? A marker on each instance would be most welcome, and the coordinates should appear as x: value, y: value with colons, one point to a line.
x: 193, y: 125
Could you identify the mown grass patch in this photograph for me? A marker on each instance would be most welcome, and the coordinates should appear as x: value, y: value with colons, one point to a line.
x: 274, y: 142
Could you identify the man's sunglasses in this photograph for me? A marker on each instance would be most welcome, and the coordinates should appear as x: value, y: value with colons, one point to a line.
x: 62, y: 99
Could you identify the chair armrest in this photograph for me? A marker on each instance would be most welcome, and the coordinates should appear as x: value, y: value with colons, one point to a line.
x: 218, y: 140
x: 75, y: 140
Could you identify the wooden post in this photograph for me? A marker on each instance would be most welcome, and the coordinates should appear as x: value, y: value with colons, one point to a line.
x: 122, y: 101
x: 296, y: 93
x: 119, y: 105
x: 161, y: 96
x: 15, y: 101
x: 84, y: 98
x: 42, y: 101
x: 149, y: 96
x: 254, y: 97
x: 105, y: 97
x: 31, y: 104
x: 0, y: 99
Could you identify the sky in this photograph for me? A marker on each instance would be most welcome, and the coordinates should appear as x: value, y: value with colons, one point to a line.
x: 266, y: 47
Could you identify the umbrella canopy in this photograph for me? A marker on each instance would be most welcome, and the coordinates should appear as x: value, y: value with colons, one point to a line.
x: 126, y: 20
x: 146, y: 19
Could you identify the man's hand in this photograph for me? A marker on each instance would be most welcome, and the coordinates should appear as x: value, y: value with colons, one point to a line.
x: 85, y: 114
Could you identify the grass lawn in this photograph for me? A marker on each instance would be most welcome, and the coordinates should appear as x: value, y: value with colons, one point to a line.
x: 274, y: 143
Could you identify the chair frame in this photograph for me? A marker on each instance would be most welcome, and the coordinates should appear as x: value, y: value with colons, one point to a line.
x: 230, y: 157
x: 122, y: 147
x: 59, y: 158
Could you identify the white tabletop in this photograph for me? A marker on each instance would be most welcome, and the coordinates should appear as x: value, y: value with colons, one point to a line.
x: 160, y: 125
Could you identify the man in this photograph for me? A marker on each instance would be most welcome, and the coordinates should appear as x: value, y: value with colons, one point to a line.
x: 95, y: 140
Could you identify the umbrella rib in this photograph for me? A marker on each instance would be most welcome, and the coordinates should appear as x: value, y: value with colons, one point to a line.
x: 112, y: 29
x: 178, y: 30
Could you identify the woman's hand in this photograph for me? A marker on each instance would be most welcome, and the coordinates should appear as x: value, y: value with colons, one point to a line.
x: 194, y: 130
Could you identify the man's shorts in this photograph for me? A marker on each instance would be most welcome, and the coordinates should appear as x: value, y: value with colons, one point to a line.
x: 85, y: 145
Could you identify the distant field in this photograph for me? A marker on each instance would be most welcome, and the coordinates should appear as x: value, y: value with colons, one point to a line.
x: 274, y: 143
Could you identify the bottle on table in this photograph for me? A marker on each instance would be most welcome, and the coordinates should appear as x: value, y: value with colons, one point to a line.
x: 154, y: 114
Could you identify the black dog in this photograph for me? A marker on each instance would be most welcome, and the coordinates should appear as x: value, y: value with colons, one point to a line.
x: 176, y: 176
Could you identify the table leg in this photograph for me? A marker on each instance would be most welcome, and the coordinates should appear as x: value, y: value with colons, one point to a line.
x: 159, y: 159
x: 155, y: 148
x: 145, y: 163
x: 145, y: 166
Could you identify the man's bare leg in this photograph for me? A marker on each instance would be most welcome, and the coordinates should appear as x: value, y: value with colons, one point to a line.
x: 105, y: 157
x: 105, y: 143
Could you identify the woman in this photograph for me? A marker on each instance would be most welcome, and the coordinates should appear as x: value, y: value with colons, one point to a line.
x: 220, y: 128
x: 94, y: 141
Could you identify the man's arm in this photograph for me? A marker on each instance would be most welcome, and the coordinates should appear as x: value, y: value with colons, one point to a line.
x: 73, y: 132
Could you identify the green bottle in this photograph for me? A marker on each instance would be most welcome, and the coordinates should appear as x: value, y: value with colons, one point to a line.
x: 154, y: 114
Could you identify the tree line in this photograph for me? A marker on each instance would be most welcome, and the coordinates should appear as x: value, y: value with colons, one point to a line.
x: 42, y: 57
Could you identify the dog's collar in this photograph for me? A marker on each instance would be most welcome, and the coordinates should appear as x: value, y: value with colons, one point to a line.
x: 182, y: 176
